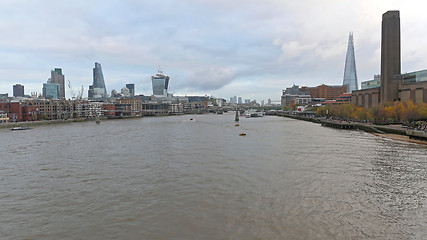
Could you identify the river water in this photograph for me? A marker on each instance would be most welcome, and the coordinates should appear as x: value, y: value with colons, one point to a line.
x: 176, y: 178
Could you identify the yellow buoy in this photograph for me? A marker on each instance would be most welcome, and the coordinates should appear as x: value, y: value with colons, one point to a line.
x: 242, y: 134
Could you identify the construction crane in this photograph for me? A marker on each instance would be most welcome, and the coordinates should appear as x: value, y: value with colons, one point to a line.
x: 73, y: 95
x: 80, y: 95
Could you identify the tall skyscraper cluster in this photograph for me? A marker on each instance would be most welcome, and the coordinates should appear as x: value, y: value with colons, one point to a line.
x: 58, y: 78
x: 55, y: 86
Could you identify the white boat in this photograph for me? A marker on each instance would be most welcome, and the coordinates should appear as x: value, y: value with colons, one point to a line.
x: 253, y: 113
x: 19, y: 128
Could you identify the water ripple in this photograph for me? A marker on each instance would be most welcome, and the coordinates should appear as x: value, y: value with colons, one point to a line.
x: 171, y: 178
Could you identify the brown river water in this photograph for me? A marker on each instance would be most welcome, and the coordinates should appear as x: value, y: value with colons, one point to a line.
x: 176, y: 178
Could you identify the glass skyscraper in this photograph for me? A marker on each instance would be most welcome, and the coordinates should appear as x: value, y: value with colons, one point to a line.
x: 51, y: 90
x: 350, y: 75
x: 97, y: 90
x: 160, y: 84
x: 131, y: 88
x: 58, y: 78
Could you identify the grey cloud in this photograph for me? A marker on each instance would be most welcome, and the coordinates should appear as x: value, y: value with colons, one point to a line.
x: 208, y: 45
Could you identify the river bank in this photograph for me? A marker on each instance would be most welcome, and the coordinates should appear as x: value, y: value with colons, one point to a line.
x: 395, y: 132
x: 60, y: 121
x: 400, y: 138
x: 73, y: 120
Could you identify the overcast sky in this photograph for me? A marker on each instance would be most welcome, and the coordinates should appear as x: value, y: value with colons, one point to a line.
x: 247, y: 48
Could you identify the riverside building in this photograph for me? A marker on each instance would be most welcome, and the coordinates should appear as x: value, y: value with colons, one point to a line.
x: 327, y: 92
x: 375, y: 83
x: 390, y: 56
x: 413, y: 86
x: 394, y: 86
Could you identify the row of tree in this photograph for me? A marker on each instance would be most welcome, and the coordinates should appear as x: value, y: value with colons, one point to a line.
x: 386, y: 113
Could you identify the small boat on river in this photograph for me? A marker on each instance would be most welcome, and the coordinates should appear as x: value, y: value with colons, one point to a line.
x: 19, y: 128
x: 253, y: 113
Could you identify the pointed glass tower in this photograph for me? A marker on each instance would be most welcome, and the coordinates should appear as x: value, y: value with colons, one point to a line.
x: 98, y: 89
x: 350, y: 75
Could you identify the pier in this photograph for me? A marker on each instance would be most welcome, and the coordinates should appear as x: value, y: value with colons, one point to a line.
x: 415, y: 134
x: 338, y: 124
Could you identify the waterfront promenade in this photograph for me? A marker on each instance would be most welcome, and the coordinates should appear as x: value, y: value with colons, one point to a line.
x: 392, y: 131
x: 58, y: 121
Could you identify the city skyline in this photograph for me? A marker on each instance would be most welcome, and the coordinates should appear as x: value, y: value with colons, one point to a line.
x: 254, y: 51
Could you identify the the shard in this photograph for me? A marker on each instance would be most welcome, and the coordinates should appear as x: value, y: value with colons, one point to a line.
x: 350, y: 75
